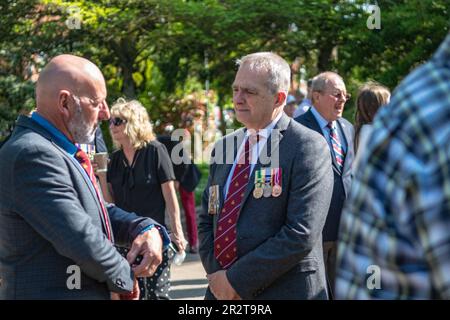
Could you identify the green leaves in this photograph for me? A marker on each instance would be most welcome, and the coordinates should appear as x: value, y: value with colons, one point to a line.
x: 155, y: 50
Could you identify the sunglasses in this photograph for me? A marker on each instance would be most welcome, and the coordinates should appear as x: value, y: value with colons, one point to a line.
x: 117, y: 121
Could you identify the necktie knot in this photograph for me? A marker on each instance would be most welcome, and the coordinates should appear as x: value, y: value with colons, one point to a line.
x: 330, y: 125
x: 81, y: 156
x: 254, y: 138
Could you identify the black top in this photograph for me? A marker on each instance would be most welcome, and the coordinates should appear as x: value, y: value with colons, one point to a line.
x: 137, y: 187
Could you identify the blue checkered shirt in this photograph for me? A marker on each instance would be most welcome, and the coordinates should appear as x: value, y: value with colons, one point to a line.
x: 394, y: 237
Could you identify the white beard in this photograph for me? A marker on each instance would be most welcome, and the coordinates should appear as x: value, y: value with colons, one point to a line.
x: 79, y: 127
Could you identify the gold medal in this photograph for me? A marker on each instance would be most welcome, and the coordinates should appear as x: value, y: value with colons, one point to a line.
x: 213, y: 203
x: 258, y: 192
x: 276, y: 191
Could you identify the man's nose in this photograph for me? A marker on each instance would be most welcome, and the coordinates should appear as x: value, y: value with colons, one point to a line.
x: 104, y: 112
x: 238, y: 96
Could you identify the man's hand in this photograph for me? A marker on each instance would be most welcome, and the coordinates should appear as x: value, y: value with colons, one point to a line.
x: 220, y: 287
x: 149, y: 245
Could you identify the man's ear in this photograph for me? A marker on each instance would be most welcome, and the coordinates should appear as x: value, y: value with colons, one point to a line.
x: 63, y: 102
x: 281, y: 98
x: 314, y: 96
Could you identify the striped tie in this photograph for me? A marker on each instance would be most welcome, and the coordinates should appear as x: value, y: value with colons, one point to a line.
x: 338, y: 151
x: 225, y: 239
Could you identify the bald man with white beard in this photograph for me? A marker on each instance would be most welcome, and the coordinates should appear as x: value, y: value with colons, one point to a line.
x: 57, y: 235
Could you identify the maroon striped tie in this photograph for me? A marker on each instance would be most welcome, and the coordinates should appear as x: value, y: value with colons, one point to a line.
x: 225, y: 240
x: 83, y: 159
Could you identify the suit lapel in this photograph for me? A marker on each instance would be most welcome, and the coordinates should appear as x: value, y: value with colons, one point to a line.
x: 312, y: 122
x: 349, y: 142
x: 28, y: 123
x: 314, y: 125
x: 89, y: 185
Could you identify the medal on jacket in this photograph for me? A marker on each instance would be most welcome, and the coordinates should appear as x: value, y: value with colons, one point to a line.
x: 213, y: 203
x: 258, y: 192
x: 276, y: 190
x: 267, y: 182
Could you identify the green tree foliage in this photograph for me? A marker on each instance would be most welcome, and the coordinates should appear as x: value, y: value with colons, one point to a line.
x: 158, y: 51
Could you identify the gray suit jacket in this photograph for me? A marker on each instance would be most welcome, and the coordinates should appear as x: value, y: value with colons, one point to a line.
x: 50, y: 219
x: 279, y: 241
x: 342, y: 181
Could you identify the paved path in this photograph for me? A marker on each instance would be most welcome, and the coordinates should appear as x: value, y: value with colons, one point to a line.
x: 188, y: 281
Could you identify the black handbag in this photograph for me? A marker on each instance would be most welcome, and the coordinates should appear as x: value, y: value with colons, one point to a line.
x: 191, y: 178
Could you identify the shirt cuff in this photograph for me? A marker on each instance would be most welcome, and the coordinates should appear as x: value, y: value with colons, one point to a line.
x: 162, y: 232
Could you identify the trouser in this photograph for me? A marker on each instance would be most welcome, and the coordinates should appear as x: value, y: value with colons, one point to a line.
x: 329, y: 258
x: 188, y: 202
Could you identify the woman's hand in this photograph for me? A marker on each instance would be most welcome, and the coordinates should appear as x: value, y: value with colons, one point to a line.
x: 179, y: 240
x: 100, y: 174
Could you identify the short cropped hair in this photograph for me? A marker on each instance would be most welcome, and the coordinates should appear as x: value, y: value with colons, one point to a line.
x: 320, y: 82
x: 277, y: 68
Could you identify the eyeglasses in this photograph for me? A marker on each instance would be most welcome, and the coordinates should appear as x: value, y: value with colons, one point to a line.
x: 94, y: 102
x: 340, y: 94
x: 117, y: 121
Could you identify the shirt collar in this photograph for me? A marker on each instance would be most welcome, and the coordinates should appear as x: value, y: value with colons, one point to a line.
x: 265, y: 133
x: 57, y: 136
x: 322, y: 122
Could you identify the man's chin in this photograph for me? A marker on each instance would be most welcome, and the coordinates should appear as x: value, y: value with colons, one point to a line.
x: 85, y: 139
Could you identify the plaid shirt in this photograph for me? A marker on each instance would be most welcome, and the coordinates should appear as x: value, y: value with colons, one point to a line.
x: 398, y: 214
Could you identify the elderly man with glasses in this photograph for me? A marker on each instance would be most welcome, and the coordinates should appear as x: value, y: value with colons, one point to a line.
x: 329, y: 96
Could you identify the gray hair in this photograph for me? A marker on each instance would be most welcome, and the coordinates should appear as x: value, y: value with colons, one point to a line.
x: 319, y: 82
x: 277, y: 68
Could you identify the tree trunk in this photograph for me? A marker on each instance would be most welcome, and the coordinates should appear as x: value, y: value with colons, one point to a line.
x: 128, y: 86
x: 220, y: 102
x: 325, y: 57
x: 127, y: 54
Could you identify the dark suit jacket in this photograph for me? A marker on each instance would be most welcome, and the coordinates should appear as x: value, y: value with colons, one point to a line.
x: 279, y: 242
x: 342, y: 182
x: 50, y: 219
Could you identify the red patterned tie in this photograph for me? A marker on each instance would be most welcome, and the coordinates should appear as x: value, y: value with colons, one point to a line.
x: 225, y: 240
x: 83, y: 159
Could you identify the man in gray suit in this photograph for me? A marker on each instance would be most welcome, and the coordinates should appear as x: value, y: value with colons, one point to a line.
x: 267, y: 195
x: 56, y: 234
x: 325, y: 117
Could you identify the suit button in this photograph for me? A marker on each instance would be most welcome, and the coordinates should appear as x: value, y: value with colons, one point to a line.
x: 120, y: 283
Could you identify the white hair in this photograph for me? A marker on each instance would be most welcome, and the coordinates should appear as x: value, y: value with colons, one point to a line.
x: 279, y: 72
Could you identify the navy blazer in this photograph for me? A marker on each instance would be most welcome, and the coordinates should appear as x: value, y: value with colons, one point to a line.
x: 342, y: 182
